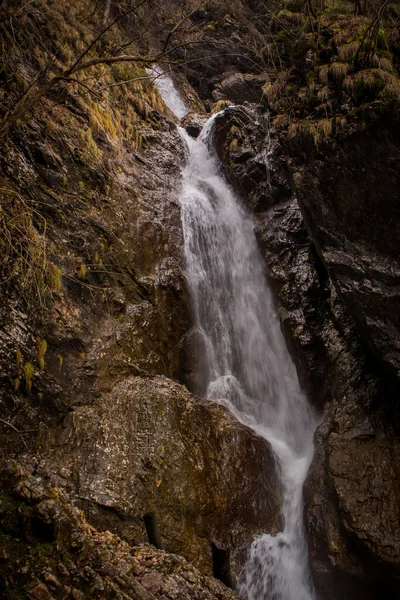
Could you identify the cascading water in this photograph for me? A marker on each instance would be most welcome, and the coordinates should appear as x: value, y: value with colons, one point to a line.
x: 247, y: 364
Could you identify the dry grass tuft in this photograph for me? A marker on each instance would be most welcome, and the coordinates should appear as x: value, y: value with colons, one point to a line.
x: 368, y: 81
x: 338, y: 71
x: 54, y: 277
x: 281, y: 120
x: 340, y: 123
x: 23, y: 249
x: 382, y: 63
x: 323, y: 74
x: 324, y: 128
x: 310, y: 132
x: 293, y: 18
x: 391, y: 92
x: 273, y: 92
x: 347, y: 52
x: 220, y: 105
x: 323, y: 94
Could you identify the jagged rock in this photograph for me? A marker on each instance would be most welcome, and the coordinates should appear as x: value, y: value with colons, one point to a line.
x: 130, y: 312
x: 240, y: 88
x: 193, y: 123
x: 353, y: 527
x: 346, y: 193
x: 100, y: 567
x: 150, y: 447
x: 242, y: 144
x: 352, y: 509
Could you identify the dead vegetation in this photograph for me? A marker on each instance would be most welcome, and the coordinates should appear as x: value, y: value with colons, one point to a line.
x: 23, y: 242
x: 340, y: 57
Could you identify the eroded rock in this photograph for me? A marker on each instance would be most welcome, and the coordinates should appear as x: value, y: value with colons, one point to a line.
x: 348, y: 194
x: 150, y: 447
x: 81, y: 562
x: 240, y: 88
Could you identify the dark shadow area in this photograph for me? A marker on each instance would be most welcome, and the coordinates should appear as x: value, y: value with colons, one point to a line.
x: 152, y: 530
x: 221, y: 565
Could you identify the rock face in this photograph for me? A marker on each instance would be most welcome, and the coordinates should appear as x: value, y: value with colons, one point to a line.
x: 242, y: 144
x: 349, y: 196
x: 353, y: 498
x: 63, y: 557
x: 150, y: 447
x: 352, y: 505
x: 240, y: 88
x: 118, y: 219
x: 352, y: 493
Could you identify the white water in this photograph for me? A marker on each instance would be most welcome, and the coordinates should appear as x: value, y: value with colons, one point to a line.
x: 168, y: 92
x: 247, y: 364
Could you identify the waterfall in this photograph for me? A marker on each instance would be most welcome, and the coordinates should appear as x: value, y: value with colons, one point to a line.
x: 246, y: 362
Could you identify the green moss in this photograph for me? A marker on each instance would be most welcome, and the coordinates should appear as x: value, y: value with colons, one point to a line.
x: 82, y: 272
x: 29, y: 372
x: 382, y: 42
x: 41, y: 351
x: 54, y: 276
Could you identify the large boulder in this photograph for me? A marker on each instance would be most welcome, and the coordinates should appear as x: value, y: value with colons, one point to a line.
x: 62, y: 557
x: 352, y: 505
x: 151, y: 448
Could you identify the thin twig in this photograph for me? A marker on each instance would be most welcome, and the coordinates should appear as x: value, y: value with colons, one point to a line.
x: 16, y: 430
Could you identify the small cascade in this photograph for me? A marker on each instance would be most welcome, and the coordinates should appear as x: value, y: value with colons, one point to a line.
x: 247, y: 365
x: 168, y: 92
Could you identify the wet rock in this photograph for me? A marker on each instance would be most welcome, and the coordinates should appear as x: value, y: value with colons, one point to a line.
x: 346, y: 193
x: 149, y: 447
x: 352, y: 525
x: 242, y: 144
x: 194, y: 123
x: 352, y: 510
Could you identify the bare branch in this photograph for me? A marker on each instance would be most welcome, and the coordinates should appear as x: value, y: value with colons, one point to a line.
x: 16, y: 430
x: 100, y: 35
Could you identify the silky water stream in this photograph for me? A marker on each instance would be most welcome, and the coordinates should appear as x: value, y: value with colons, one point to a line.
x: 246, y: 362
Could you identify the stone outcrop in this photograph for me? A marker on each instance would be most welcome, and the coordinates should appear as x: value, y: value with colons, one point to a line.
x: 348, y: 193
x: 240, y: 88
x: 352, y: 491
x: 242, y: 144
x: 62, y: 557
x: 150, y: 447
x: 352, y: 504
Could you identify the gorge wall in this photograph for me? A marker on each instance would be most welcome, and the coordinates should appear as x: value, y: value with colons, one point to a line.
x: 98, y: 429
